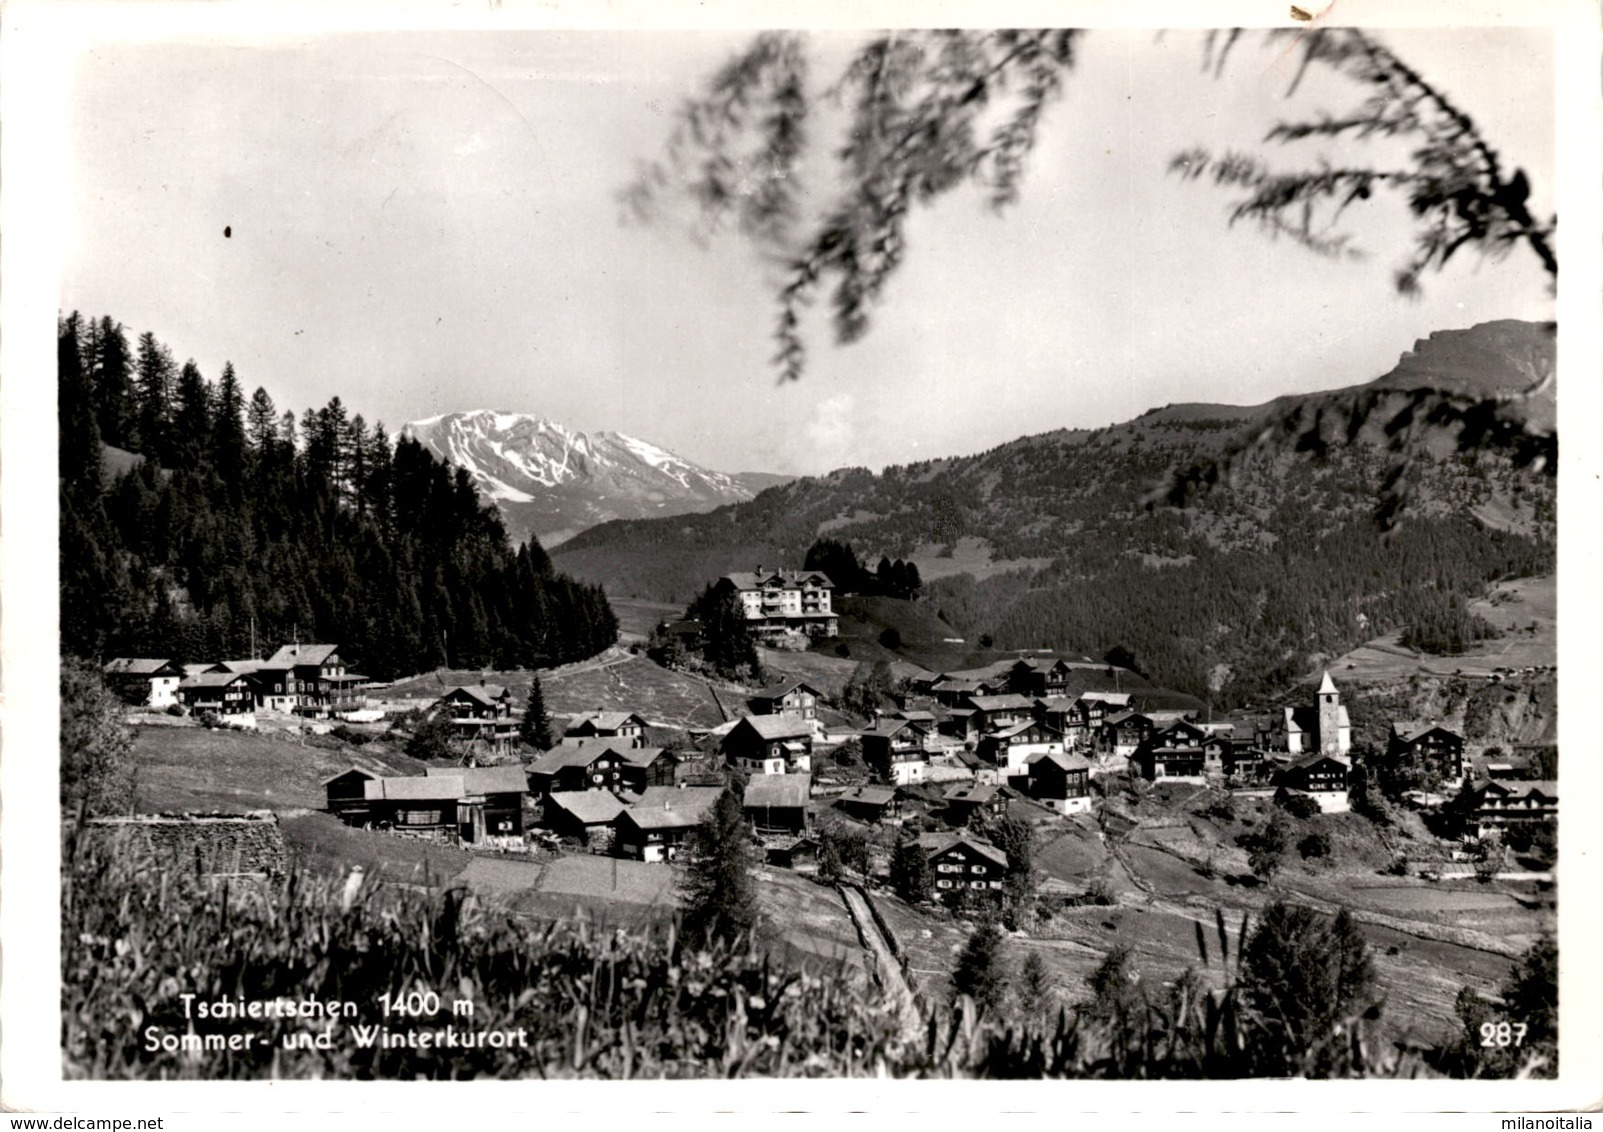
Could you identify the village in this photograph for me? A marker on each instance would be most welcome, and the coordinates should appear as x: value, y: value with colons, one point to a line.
x: 945, y: 757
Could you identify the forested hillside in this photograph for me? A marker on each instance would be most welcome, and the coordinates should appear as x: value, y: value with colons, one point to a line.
x: 190, y: 517
x: 1230, y: 549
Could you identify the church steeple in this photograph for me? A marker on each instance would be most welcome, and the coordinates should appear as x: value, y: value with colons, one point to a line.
x: 1330, y: 718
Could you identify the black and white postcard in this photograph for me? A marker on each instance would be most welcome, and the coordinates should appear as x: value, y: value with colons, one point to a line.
x: 1023, y: 546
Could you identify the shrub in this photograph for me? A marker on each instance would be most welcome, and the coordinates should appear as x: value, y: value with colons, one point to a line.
x: 1297, y: 805
x: 891, y: 637
x: 176, y: 710
x: 350, y: 735
x: 1314, y: 845
x: 1398, y: 866
x: 97, y: 768
x: 208, y: 719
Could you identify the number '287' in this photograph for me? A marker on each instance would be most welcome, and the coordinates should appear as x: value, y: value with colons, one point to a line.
x: 1503, y: 1034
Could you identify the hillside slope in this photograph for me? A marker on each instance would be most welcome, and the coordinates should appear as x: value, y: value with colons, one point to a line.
x: 1231, y: 548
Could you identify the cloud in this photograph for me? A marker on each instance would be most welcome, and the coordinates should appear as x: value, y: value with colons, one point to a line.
x: 830, y: 434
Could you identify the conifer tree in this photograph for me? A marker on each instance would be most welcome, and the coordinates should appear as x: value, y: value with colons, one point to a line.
x: 911, y: 875
x: 261, y: 423
x: 111, y: 369
x: 719, y: 901
x: 154, y: 390
x: 535, y: 730
x: 980, y: 972
x: 192, y: 420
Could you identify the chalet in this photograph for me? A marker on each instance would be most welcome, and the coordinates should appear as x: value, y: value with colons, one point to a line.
x: 961, y: 861
x: 1061, y: 781
x: 612, y: 727
x: 481, y: 718
x: 1153, y: 760
x: 591, y: 767
x: 1066, y: 716
x: 422, y: 806
x: 1039, y: 677
x: 1429, y: 746
x: 144, y: 682
x: 1125, y: 731
x: 1322, y: 777
x: 786, y: 852
x: 777, y: 602
x: 644, y: 767
x: 1495, y: 806
x: 490, y: 807
x: 964, y: 800
x: 1010, y: 748
x: 270, y: 683
x: 793, y: 697
x: 871, y: 803
x: 777, y: 803
x: 962, y: 723
x: 993, y: 713
x: 226, y: 694
x: 770, y: 744
x: 897, y: 750
x: 347, y: 795
x: 1179, y: 732
x: 318, y: 681
x: 953, y: 689
x: 588, y: 816
x: 1322, y: 726
x: 655, y: 828
x: 1097, y: 706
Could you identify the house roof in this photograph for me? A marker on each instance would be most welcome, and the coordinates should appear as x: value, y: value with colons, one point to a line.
x: 1056, y: 704
x: 421, y: 788
x: 137, y: 666
x: 1519, y: 788
x: 247, y: 667
x: 755, y: 580
x: 638, y: 756
x: 603, y: 720
x: 915, y: 716
x: 937, y: 843
x: 1119, y: 698
x: 211, y: 679
x: 971, y: 793
x: 1018, y: 729
x: 591, y: 807
x: 509, y: 778
x: 348, y: 770
x: 785, y: 790
x: 886, y: 727
x: 1407, y: 730
x: 783, y: 689
x: 1315, y: 759
x: 673, y: 807
x: 559, y: 758
x: 1124, y: 717
x: 1058, y: 758
x: 776, y: 726
x: 487, y: 694
x: 302, y: 654
x: 871, y: 795
x: 1000, y: 703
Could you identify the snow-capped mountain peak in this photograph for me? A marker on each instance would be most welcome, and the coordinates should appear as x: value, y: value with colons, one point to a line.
x: 553, y: 481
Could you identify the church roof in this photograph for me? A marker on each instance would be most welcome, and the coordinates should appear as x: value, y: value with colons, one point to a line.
x: 1327, y: 686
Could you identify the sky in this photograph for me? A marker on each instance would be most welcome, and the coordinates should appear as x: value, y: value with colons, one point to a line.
x: 428, y: 222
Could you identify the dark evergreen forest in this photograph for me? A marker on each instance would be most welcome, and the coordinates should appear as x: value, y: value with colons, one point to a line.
x: 191, y: 516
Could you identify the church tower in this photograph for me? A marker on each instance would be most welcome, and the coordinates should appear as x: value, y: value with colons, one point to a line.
x: 1335, y: 732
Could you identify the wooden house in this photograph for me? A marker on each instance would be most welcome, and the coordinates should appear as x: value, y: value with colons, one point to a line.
x: 1430, y: 746
x: 964, y: 800
x: 591, y: 767
x: 144, y: 681
x: 612, y: 727
x: 490, y: 807
x: 1495, y: 806
x: 1064, y: 715
x: 770, y: 744
x: 777, y: 803
x: 1010, y: 748
x: 347, y: 795
x: 897, y: 750
x: 656, y: 827
x: 644, y: 767
x: 1037, y: 677
x: 871, y: 803
x: 995, y: 713
x: 419, y: 806
x: 793, y: 697
x: 962, y: 861
x: 1321, y: 777
x: 1125, y: 731
x: 481, y: 717
x: 1155, y: 761
x: 954, y: 691
x: 318, y: 682
x: 1062, y: 781
x: 588, y: 816
x: 227, y: 695
x: 1095, y: 707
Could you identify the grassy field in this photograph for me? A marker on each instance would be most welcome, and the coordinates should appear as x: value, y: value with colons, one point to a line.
x: 636, y: 619
x: 969, y: 556
x: 323, y: 844
x: 635, y: 684
x: 192, y: 768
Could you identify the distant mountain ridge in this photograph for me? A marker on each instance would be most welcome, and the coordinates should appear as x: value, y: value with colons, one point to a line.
x: 552, y: 482
x: 1229, y: 546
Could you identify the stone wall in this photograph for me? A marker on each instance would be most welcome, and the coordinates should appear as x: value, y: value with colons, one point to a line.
x: 212, y: 845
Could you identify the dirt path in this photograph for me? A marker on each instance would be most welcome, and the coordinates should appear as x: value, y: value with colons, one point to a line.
x: 887, y: 971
